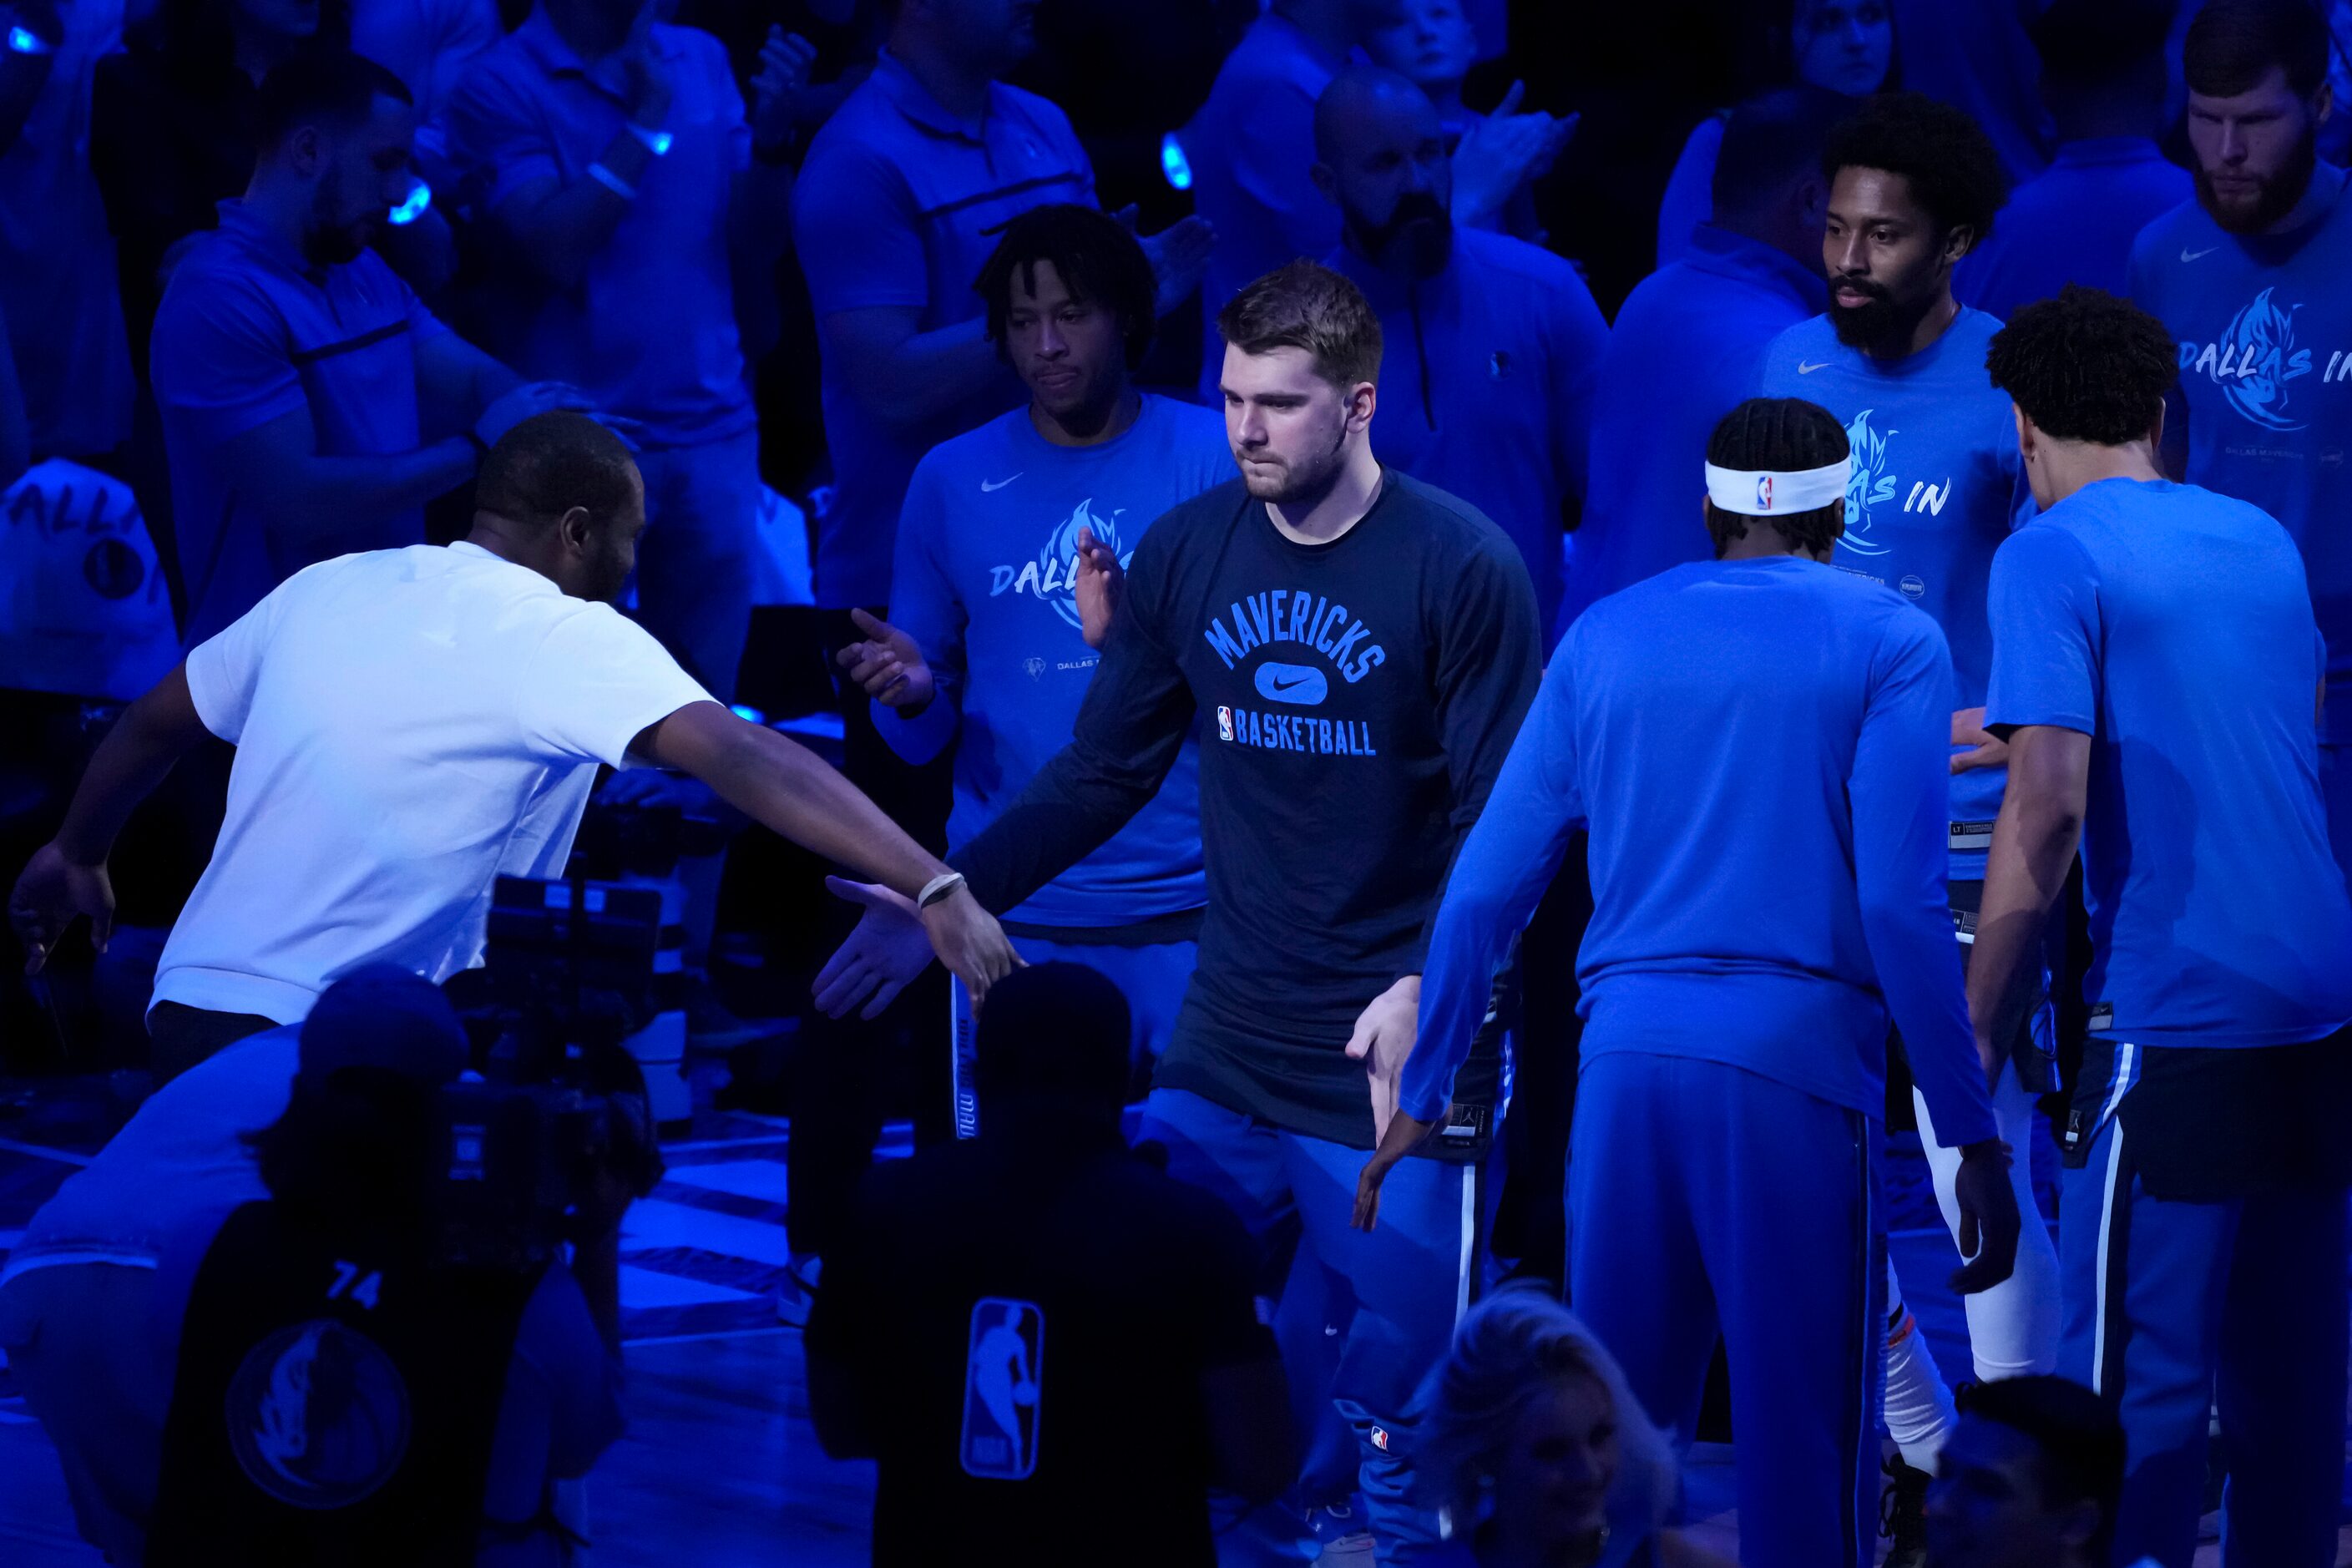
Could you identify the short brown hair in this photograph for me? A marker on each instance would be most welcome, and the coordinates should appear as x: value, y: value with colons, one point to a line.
x: 1306, y: 306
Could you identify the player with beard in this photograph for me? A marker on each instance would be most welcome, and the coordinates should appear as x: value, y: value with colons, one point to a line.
x: 2249, y: 280
x: 1496, y: 403
x: 1359, y: 649
x: 296, y: 374
x: 1937, y: 485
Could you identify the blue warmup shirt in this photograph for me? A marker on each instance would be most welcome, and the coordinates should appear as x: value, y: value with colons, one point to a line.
x: 2171, y: 625
x: 1356, y: 701
x: 1937, y: 484
x: 1687, y: 347
x: 2074, y: 223
x: 1758, y: 749
x: 2265, y: 328
x: 250, y: 332
x: 1488, y: 375
x: 898, y: 204
x: 987, y: 548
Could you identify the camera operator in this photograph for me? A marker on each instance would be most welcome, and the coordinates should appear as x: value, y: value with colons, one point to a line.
x: 1012, y: 1320
x: 412, y: 723
x: 95, y: 1296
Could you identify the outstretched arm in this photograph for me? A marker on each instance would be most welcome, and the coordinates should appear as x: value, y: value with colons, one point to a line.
x: 66, y: 877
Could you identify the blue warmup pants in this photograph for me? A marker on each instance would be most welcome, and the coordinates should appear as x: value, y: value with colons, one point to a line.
x: 1410, y: 1277
x: 2166, y: 1303
x: 1152, y: 978
x: 1703, y: 1198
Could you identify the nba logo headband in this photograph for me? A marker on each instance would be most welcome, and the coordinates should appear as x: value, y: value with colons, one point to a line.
x: 1753, y: 493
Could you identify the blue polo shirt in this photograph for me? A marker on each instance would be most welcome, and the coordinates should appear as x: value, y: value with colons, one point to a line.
x: 2171, y: 626
x: 895, y: 208
x: 2263, y: 325
x: 1488, y: 383
x: 2074, y: 223
x: 1252, y: 148
x: 1937, y: 484
x: 248, y: 333
x: 650, y: 331
x: 987, y: 556
x: 1685, y: 349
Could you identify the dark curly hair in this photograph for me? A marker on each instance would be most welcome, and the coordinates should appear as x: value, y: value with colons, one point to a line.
x: 1098, y: 259
x: 1785, y: 434
x: 1942, y: 154
x: 2084, y: 367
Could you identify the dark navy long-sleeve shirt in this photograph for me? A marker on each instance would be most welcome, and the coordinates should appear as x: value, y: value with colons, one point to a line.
x: 1357, y: 700
x: 1758, y: 749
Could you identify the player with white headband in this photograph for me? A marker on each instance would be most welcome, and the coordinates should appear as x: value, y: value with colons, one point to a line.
x: 1757, y: 744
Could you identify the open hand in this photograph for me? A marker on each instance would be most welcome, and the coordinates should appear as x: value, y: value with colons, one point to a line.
x: 1989, y: 1223
x: 785, y: 59
x: 1968, y: 730
x: 1502, y: 152
x: 1101, y: 584
x: 889, y: 666
x: 1179, y: 255
x: 51, y: 894
x: 1384, y: 1040
x: 886, y: 951
x: 524, y: 402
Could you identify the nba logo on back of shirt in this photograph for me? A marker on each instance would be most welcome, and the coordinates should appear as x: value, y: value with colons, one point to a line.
x: 1002, y: 1389
x: 1764, y: 491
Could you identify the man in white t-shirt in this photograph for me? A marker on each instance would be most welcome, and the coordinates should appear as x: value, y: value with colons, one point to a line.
x: 411, y: 724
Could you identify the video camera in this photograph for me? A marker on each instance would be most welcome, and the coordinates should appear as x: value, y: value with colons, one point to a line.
x: 556, y: 1117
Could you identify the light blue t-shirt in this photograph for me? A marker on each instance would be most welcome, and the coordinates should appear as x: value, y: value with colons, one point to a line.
x: 984, y: 582
x: 2263, y: 325
x: 1489, y: 379
x: 2171, y: 625
x: 1937, y: 484
x: 2074, y: 223
x: 1758, y: 749
x: 1685, y: 349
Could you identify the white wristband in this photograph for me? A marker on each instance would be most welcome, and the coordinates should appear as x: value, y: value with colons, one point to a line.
x: 939, y: 887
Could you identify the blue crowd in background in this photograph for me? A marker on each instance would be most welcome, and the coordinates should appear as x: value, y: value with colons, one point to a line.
x: 917, y: 319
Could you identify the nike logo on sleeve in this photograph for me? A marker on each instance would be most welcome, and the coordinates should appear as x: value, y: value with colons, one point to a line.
x: 1807, y: 367
x: 2188, y: 254
x: 985, y: 487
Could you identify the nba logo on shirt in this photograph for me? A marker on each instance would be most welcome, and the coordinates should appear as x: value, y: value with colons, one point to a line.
x: 1002, y: 1384
x: 1224, y: 723
x: 1764, y: 491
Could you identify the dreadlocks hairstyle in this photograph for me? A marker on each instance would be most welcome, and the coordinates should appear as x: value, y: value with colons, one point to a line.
x: 1094, y: 254
x: 2084, y: 367
x: 2233, y: 44
x: 1784, y: 434
x: 1942, y: 154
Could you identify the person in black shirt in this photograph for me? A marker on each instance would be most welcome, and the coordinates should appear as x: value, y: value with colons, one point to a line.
x: 1359, y: 649
x: 1054, y: 1350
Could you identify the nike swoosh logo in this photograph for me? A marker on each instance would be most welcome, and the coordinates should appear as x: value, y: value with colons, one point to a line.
x: 2188, y: 254
x: 1281, y: 686
x: 1806, y: 367
x: 986, y: 487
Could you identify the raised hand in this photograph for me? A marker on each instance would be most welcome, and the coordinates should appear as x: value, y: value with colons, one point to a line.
x: 52, y: 893
x: 1179, y: 255
x: 1101, y: 584
x: 889, y: 666
x: 1501, y: 153
x: 785, y: 59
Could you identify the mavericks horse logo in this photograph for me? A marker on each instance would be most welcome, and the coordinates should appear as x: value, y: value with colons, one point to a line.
x: 2258, y: 359
x: 1868, y: 484
x: 317, y: 1416
x: 1052, y: 575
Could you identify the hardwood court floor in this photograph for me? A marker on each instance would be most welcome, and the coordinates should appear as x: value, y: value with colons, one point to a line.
x: 719, y: 1466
